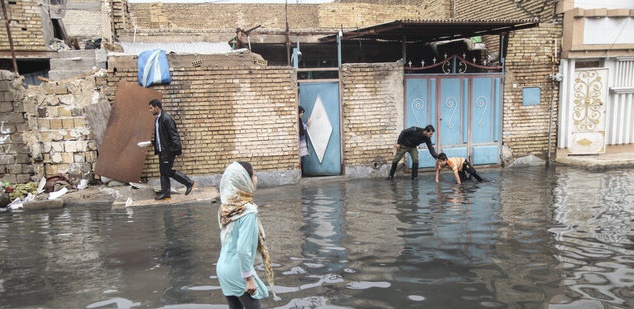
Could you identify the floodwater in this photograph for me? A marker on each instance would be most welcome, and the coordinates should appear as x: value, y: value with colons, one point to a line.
x: 528, y: 238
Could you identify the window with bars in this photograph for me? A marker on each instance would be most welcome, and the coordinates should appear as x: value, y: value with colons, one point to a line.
x: 624, y: 75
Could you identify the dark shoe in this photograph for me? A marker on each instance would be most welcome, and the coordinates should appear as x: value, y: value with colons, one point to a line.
x: 162, y: 197
x: 190, y: 187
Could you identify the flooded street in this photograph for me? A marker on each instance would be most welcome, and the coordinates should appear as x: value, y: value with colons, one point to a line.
x: 528, y: 238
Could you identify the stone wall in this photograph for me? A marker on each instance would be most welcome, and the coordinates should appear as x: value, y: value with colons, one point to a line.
x: 90, y: 19
x: 15, y: 162
x: 225, y: 113
x: 529, y: 61
x: 59, y: 137
x: 372, y: 115
x: 43, y: 129
x: 29, y: 30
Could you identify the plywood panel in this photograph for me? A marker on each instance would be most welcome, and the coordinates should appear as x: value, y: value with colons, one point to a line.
x: 130, y: 122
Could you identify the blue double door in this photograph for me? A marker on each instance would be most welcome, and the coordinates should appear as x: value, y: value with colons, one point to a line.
x: 464, y: 109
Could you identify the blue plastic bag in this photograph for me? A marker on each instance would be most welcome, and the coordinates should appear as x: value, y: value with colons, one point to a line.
x: 153, y: 68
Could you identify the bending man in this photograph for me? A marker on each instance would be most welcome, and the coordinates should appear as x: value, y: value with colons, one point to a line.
x: 407, y: 142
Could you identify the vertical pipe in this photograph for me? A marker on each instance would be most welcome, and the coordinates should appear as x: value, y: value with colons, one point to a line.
x: 552, y: 99
x: 404, y: 50
x: 501, y: 111
x: 288, y: 39
x: 339, y: 37
x: 341, y: 102
x: 6, y: 23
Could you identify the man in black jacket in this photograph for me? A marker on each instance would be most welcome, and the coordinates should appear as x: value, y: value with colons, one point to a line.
x: 407, y: 142
x: 167, y: 145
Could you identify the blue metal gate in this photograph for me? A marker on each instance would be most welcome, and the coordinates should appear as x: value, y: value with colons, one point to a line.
x: 321, y: 103
x: 464, y: 109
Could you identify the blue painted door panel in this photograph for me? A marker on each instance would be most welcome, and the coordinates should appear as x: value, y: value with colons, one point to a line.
x: 328, y: 92
x: 451, y: 114
x: 485, y: 107
x: 421, y: 111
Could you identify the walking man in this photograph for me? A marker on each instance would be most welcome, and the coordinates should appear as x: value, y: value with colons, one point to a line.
x: 458, y: 165
x: 407, y: 142
x: 167, y: 145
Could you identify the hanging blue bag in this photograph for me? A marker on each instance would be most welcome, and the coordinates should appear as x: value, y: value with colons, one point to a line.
x: 153, y: 68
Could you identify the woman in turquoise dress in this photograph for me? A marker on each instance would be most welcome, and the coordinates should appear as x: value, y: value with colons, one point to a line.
x: 241, y: 236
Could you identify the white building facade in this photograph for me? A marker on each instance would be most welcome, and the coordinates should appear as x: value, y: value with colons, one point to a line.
x: 596, y: 73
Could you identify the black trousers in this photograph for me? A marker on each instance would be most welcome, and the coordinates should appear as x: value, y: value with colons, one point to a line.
x: 468, y: 168
x: 245, y: 301
x: 166, y: 164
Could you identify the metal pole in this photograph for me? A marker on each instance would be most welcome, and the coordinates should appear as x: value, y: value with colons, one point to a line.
x: 552, y: 100
x: 6, y: 23
x: 288, y: 39
x: 339, y: 36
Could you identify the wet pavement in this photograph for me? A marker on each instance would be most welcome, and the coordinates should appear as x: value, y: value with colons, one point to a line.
x: 614, y: 157
x: 531, y: 237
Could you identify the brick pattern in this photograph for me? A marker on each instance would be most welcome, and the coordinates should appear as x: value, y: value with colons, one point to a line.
x: 59, y: 137
x: 86, y: 22
x: 81, y: 24
x: 15, y: 162
x: 372, y: 95
x: 504, y: 9
x: 121, y: 16
x: 528, y: 64
x: 225, y: 113
x: 26, y: 27
x: 357, y: 15
x: 179, y: 16
x: 529, y: 61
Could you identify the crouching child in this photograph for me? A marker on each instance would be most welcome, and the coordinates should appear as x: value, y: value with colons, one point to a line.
x: 459, y: 166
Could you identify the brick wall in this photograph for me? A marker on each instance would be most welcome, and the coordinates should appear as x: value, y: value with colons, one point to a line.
x: 83, y: 24
x: 504, y: 9
x: 528, y: 64
x: 121, y: 16
x: 225, y: 113
x: 15, y: 162
x: 59, y: 137
x: 273, y: 16
x: 353, y: 15
x: 372, y: 112
x: 26, y: 27
x: 89, y: 19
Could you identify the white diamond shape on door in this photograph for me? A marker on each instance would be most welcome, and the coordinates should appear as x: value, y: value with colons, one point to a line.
x: 320, y: 128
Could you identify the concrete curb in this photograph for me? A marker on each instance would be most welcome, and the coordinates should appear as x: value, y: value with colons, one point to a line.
x: 124, y: 196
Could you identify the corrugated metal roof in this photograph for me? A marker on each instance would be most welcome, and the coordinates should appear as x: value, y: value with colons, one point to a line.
x: 178, y: 47
x: 432, y: 30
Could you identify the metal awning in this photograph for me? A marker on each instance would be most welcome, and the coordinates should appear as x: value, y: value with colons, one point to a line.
x: 433, y: 30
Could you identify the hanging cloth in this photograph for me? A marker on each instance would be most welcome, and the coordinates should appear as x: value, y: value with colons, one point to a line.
x: 153, y: 68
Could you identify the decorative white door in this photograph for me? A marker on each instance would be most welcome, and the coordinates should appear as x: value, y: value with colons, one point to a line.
x: 587, y: 113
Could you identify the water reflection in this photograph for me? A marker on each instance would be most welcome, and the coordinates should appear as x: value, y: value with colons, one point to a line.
x: 530, y: 238
x: 323, y: 229
x: 595, y: 239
